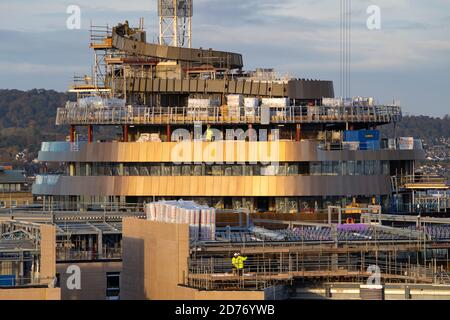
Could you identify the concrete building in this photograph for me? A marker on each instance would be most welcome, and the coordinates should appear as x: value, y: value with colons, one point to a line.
x: 27, y: 262
x: 15, y: 189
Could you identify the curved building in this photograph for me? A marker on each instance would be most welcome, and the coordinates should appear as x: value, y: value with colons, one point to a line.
x: 189, y: 123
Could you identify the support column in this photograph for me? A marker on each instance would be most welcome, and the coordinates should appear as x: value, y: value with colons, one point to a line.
x: 169, y: 134
x: 298, y: 132
x: 90, y: 133
x: 72, y: 133
x: 125, y: 133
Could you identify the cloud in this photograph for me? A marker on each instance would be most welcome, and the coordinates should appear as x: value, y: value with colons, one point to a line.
x: 297, y: 36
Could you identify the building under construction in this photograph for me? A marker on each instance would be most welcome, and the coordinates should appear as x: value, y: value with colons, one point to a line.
x: 281, y: 171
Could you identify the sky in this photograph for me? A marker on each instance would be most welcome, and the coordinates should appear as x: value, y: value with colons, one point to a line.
x: 406, y: 60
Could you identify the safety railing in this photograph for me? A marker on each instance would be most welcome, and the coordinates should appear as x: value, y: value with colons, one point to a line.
x: 14, y: 282
x: 73, y: 114
x: 213, y: 273
x: 65, y: 254
x: 421, y: 179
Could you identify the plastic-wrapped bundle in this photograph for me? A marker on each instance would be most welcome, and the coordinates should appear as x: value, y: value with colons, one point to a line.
x: 114, y: 103
x: 251, y: 103
x: 235, y: 100
x: 275, y: 102
x: 234, y: 111
x: 331, y: 102
x: 91, y: 102
x: 203, y: 103
x: 201, y: 219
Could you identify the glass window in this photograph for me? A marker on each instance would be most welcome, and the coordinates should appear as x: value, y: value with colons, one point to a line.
x: 386, y: 168
x: 176, y: 170
x: 337, y: 168
x: 292, y: 169
x: 377, y: 168
x: 281, y: 169
x: 315, y: 168
x: 327, y: 167
x: 228, y: 171
x: 108, y: 170
x: 126, y: 170
x: 237, y: 170
x: 351, y: 168
x: 344, y: 168
x: 359, y: 169
x: 2, y: 187
x: 13, y: 203
x: 248, y: 170
x: 186, y: 170
x: 198, y: 170
x: 144, y: 170
x: 112, y: 285
x: 134, y: 170
x: 166, y: 170
x: 369, y: 167
x: 116, y: 169
x: 155, y: 170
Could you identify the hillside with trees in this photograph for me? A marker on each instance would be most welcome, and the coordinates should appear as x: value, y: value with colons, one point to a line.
x: 28, y: 118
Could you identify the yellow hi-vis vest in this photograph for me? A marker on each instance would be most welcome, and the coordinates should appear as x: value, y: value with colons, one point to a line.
x: 209, y: 135
x: 238, y: 262
x: 234, y: 262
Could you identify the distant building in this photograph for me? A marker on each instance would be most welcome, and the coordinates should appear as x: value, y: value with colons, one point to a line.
x: 14, y: 188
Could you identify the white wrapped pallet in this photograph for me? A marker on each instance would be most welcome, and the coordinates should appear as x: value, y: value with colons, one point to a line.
x: 235, y: 100
x: 406, y: 143
x: 234, y: 111
x: 252, y: 103
x: 203, y: 103
x: 331, y: 102
x: 201, y: 219
x: 275, y: 102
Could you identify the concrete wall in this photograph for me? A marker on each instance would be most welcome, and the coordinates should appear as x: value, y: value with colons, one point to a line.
x: 93, y: 279
x: 48, y: 251
x: 30, y: 294
x: 155, y: 262
x: 47, y: 274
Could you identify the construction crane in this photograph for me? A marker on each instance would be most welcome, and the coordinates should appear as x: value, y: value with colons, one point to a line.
x: 175, y: 22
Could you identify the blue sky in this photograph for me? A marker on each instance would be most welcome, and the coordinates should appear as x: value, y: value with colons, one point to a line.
x: 407, y: 60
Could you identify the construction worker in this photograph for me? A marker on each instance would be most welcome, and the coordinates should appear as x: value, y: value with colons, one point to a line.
x: 209, y: 134
x: 240, y: 264
x: 235, y: 263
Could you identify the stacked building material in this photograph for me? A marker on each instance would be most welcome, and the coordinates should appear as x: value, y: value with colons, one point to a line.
x: 235, y: 102
x: 332, y: 102
x: 201, y: 107
x: 250, y: 106
x: 275, y: 102
x: 201, y: 219
x: 279, y: 104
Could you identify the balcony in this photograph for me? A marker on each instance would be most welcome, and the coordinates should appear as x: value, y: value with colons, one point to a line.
x: 73, y: 114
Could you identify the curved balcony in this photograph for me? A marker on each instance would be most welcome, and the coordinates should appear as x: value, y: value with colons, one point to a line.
x: 220, y: 186
x: 212, y: 152
x: 73, y: 114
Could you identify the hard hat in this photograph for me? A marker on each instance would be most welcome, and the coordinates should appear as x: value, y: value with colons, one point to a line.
x: 236, y: 254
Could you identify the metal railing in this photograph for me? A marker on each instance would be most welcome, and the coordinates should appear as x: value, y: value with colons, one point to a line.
x: 214, y: 273
x: 139, y: 115
x: 421, y: 179
x: 14, y: 282
x: 65, y: 254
